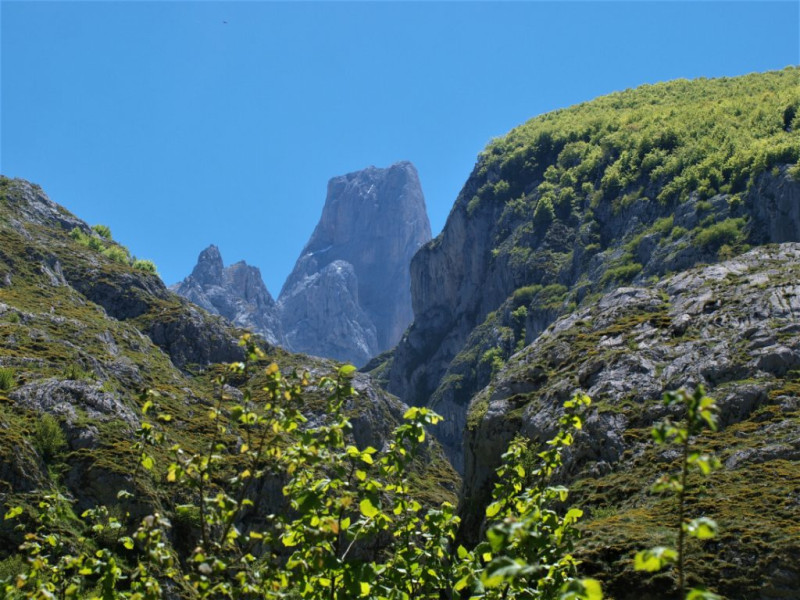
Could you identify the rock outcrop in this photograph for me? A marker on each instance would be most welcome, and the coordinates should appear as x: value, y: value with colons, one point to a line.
x: 373, y: 220
x: 236, y: 292
x: 734, y: 328
x: 349, y: 294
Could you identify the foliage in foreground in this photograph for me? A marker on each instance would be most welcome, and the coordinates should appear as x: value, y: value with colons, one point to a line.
x: 352, y: 528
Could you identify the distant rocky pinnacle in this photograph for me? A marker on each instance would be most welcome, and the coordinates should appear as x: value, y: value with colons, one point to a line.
x: 372, y: 224
x: 236, y: 292
x: 349, y: 295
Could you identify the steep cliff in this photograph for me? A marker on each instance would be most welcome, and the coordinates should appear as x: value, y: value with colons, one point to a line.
x: 236, y: 292
x: 349, y: 294
x: 734, y: 328
x: 372, y: 223
x: 623, y: 189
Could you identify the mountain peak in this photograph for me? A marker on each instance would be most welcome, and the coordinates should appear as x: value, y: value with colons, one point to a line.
x: 209, y: 267
x: 375, y: 220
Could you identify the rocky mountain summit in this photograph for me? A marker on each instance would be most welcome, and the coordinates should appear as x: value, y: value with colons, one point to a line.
x: 372, y: 223
x: 349, y: 294
x: 732, y: 327
x: 236, y: 292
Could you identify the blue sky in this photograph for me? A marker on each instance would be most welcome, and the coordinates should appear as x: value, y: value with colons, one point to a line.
x: 181, y: 124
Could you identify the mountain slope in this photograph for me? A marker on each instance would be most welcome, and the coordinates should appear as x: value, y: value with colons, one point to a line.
x: 83, y: 334
x: 734, y: 328
x: 622, y: 189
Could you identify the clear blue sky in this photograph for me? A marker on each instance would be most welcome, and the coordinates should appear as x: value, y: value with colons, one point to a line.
x: 181, y: 124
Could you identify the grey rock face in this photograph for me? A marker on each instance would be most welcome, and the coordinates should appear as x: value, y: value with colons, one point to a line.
x: 236, y: 292
x: 374, y: 220
x: 322, y: 316
x: 64, y: 397
x: 470, y: 271
x: 731, y: 327
x: 32, y: 206
x: 191, y: 336
x: 349, y: 294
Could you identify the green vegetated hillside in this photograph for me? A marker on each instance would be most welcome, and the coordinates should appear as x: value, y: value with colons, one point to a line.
x: 84, y: 330
x: 628, y: 192
x: 620, y: 190
x: 733, y: 327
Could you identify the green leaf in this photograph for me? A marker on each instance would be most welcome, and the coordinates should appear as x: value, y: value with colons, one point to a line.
x: 701, y: 594
x: 411, y: 413
x: 127, y: 542
x: 347, y: 371
x: 654, y: 559
x: 367, y: 508
x: 493, y: 509
x: 702, y: 528
x: 581, y: 589
x: 501, y: 569
x: 13, y: 512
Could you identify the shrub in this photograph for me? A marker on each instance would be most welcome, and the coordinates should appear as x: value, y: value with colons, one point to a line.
x: 6, y: 378
x: 544, y: 213
x: 75, y: 372
x: 118, y: 254
x: 103, y: 231
x: 621, y: 274
x: 728, y: 231
x: 48, y: 439
x: 145, y: 265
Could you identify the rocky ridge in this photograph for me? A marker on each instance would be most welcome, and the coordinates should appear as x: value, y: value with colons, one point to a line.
x: 236, y: 292
x: 349, y: 294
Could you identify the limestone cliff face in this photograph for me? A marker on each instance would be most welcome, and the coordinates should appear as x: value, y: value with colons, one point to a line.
x: 373, y: 220
x: 236, y: 292
x: 734, y: 328
x: 621, y: 190
x: 349, y: 294
x: 322, y: 315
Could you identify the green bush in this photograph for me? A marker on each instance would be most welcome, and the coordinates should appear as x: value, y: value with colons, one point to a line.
x: 621, y: 274
x: 6, y: 378
x: 118, y: 254
x: 75, y: 372
x: 48, y: 439
x: 145, y: 265
x: 103, y: 231
x: 728, y: 232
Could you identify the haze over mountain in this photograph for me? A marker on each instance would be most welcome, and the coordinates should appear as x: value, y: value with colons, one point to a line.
x: 349, y: 294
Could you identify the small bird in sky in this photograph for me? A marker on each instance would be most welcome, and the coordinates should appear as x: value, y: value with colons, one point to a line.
x: 224, y: 22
